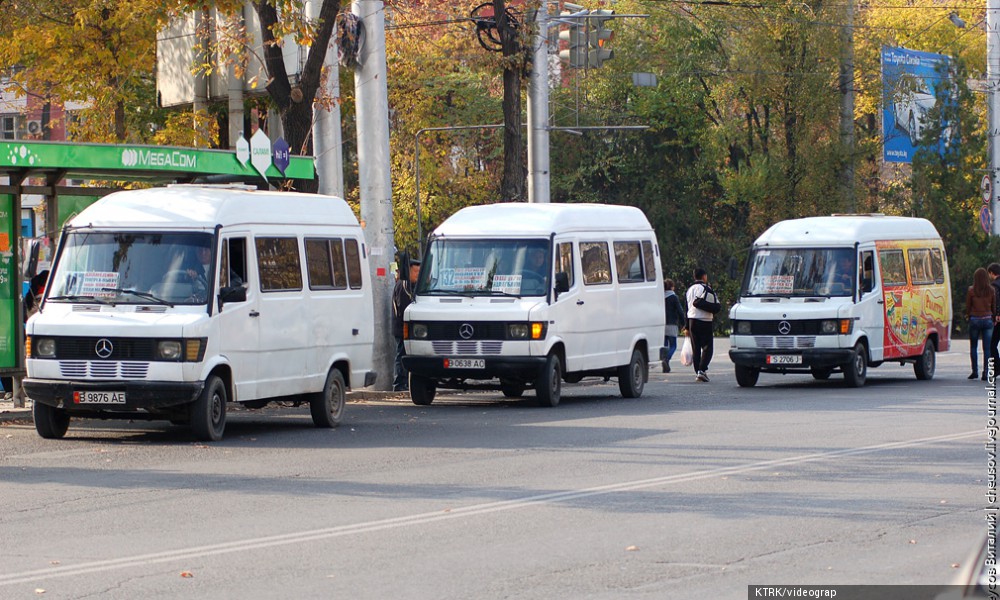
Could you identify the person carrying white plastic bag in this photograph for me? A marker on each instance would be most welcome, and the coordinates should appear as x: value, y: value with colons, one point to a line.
x: 687, y: 352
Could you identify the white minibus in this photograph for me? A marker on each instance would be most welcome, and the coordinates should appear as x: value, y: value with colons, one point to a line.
x: 168, y: 303
x: 515, y: 296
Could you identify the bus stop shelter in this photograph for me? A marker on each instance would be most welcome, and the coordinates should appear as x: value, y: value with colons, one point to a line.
x: 69, y: 177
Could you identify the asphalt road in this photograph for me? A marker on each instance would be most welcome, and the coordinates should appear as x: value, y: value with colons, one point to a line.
x: 695, y: 490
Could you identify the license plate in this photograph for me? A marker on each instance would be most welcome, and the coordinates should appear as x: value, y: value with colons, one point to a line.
x: 99, y: 397
x: 465, y: 363
x: 784, y: 359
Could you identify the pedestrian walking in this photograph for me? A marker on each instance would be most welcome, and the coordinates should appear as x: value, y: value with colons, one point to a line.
x: 402, y: 296
x: 980, y: 307
x: 702, y: 304
x: 675, y: 321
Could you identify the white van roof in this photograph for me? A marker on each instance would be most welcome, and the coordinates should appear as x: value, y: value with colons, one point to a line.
x: 194, y: 206
x: 843, y: 230
x: 518, y: 218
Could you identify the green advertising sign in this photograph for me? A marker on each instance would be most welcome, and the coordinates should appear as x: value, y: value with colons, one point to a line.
x: 70, y: 206
x: 107, y: 160
x: 9, y: 295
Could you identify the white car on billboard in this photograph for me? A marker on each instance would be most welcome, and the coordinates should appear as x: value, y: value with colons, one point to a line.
x: 910, y: 111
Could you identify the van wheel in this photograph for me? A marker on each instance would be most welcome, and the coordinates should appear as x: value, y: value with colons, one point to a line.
x: 821, y: 374
x: 208, y: 412
x: 924, y: 367
x: 512, y: 389
x: 548, y: 386
x: 856, y: 371
x: 327, y: 407
x: 632, y: 377
x: 747, y: 376
x: 422, y: 390
x: 50, y: 422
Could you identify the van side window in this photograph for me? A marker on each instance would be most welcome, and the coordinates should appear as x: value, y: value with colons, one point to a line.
x: 937, y: 265
x: 353, y: 264
x: 278, y: 264
x: 325, y: 264
x: 234, y: 263
x: 893, y: 269
x: 867, y: 271
x: 920, y: 266
x: 649, y: 260
x: 596, y: 263
x: 564, y: 260
x: 628, y: 262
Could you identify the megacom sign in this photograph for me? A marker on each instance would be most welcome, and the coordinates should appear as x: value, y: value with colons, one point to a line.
x: 917, y: 90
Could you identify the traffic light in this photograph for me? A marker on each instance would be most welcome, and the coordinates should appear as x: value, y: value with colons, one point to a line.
x: 599, y: 38
x: 575, y: 52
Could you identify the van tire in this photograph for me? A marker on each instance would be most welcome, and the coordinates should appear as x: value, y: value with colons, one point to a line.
x: 208, y: 412
x: 327, y: 407
x: 422, y: 390
x: 925, y: 364
x: 746, y: 376
x: 548, y: 386
x: 856, y: 371
x: 512, y: 389
x: 632, y: 377
x: 50, y: 422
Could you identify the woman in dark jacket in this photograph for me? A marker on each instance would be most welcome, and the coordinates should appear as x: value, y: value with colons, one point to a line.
x: 980, y: 306
x: 675, y: 317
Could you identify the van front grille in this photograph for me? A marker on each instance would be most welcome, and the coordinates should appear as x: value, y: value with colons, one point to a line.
x: 102, y: 369
x: 466, y: 348
x: 785, y: 342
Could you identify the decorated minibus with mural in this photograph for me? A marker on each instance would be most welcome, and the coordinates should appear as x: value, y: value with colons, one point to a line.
x: 842, y: 293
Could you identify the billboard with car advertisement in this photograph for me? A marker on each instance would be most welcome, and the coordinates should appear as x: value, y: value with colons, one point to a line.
x: 915, y: 87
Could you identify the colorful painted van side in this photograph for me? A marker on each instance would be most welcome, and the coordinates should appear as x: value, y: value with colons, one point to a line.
x: 842, y: 294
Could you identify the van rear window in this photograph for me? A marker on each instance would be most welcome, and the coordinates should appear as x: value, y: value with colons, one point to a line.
x: 628, y: 262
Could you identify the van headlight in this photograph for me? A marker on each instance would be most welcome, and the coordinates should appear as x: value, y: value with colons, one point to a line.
x: 526, y: 331
x: 743, y: 327
x: 44, y: 347
x: 168, y: 350
x: 829, y: 326
x: 419, y: 331
x: 836, y: 326
x: 185, y: 350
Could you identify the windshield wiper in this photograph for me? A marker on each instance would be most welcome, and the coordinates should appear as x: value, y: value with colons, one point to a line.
x: 79, y: 298
x: 139, y: 294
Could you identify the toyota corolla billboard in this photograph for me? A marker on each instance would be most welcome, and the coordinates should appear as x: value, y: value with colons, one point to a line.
x: 913, y: 83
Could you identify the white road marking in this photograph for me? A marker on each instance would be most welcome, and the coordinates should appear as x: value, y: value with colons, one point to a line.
x: 468, y: 511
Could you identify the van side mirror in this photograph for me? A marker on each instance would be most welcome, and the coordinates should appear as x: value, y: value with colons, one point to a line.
x: 562, y: 282
x: 236, y: 293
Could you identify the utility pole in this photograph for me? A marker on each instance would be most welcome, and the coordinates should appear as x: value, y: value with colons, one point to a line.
x: 846, y: 86
x: 538, y: 110
x: 993, y: 103
x: 375, y: 182
x: 327, y: 138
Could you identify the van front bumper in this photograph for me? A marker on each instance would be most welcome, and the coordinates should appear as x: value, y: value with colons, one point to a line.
x: 523, y: 368
x: 139, y: 395
x: 813, y: 358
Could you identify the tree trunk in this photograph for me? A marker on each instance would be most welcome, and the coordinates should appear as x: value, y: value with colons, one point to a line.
x: 513, y: 184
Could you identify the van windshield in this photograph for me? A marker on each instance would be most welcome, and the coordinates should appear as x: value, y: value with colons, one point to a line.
x: 798, y: 272
x: 133, y: 268
x: 486, y: 267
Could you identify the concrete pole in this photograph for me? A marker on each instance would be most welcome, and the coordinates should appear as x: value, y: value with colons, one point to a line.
x: 327, y: 138
x: 375, y: 182
x: 993, y: 102
x: 847, y: 109
x: 235, y: 92
x: 538, y: 110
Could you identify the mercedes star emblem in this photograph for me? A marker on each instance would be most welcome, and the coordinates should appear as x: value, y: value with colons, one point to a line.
x: 465, y: 331
x: 784, y: 328
x: 104, y: 348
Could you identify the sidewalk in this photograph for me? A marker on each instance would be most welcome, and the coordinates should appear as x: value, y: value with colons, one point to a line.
x: 9, y: 413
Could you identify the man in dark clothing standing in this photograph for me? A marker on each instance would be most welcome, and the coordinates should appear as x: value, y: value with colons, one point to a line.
x: 702, y: 306
x: 994, y: 272
x: 402, y: 296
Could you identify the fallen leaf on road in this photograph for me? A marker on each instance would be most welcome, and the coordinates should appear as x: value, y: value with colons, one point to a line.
x: 187, y: 574
x: 955, y: 565
x: 39, y: 591
x: 55, y: 562
x: 913, y: 541
x: 632, y: 549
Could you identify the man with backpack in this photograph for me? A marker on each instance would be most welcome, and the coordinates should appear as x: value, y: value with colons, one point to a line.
x: 702, y: 305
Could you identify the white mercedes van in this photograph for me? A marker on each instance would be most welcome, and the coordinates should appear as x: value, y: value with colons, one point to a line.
x: 515, y: 296
x: 168, y: 303
x: 841, y: 294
